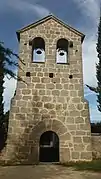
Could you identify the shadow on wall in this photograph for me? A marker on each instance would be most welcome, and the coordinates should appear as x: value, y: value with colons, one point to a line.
x: 27, y: 147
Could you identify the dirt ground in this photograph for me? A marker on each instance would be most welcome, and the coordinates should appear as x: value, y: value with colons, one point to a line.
x: 45, y: 172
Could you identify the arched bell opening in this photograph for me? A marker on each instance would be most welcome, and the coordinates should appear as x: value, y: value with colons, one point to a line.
x: 38, y: 50
x: 62, y: 51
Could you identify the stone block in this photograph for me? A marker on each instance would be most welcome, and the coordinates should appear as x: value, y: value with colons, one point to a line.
x: 46, y: 99
x: 74, y: 113
x: 66, y: 86
x: 15, y: 109
x: 76, y: 100
x: 35, y: 110
x: 58, y: 86
x: 36, y: 98
x: 86, y: 155
x: 71, y: 107
x: 73, y: 93
x: 58, y: 106
x: 55, y: 92
x: 55, y: 80
x: 26, y: 91
x: 20, y: 116
x: 75, y: 155
x: 50, y: 86
x: 40, y: 74
x: 41, y: 92
x: 79, y: 147
x: 26, y: 98
x: 65, y: 137
x: 21, y: 103
x: 79, y: 120
x: 64, y: 80
x: 40, y: 86
x: 84, y: 127
x: 79, y: 106
x: 64, y: 93
x: 64, y: 155
x: 80, y: 132
x: 61, y: 99
x: 39, y: 104
x: 71, y: 127
x: 77, y: 139
x: 36, y: 79
x: 71, y: 87
x: 21, y: 85
x: 84, y: 113
x: 69, y: 120
x: 86, y: 139
x: 45, y: 80
x: 49, y: 105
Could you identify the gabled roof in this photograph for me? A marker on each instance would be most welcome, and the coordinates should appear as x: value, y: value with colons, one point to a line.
x: 45, y: 19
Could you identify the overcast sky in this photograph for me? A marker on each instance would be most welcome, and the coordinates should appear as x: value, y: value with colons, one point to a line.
x: 81, y: 14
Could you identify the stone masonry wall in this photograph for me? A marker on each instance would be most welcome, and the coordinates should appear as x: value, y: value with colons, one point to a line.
x: 96, y: 146
x: 46, y: 103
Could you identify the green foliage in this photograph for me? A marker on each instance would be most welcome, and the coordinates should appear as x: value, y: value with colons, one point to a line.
x: 96, y: 127
x: 94, y: 165
x: 98, y: 66
x: 7, y: 64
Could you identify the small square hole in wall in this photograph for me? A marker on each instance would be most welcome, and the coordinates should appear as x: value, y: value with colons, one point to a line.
x: 70, y: 76
x: 71, y: 44
x: 28, y: 74
x: 51, y: 75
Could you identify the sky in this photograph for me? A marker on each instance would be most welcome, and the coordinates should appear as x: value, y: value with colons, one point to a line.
x: 80, y: 14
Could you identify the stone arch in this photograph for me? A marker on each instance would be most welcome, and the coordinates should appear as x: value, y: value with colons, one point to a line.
x: 38, y: 49
x: 47, y: 125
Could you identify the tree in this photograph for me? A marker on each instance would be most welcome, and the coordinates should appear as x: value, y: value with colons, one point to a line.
x: 7, y: 64
x: 98, y: 68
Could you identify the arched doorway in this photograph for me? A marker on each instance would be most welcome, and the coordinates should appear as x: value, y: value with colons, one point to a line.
x: 49, y: 147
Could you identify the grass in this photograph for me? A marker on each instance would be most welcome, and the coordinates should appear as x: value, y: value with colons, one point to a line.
x: 94, y: 165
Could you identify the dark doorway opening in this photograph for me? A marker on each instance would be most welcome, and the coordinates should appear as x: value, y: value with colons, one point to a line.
x: 49, y: 147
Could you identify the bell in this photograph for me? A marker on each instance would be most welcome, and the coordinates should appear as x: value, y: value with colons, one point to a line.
x: 39, y: 52
x: 61, y: 53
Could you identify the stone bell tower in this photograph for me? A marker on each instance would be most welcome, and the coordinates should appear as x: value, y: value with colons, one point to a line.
x: 49, y: 115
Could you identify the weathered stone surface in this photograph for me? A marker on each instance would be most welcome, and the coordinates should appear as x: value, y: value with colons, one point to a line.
x: 86, y: 139
x: 75, y: 155
x: 61, y: 100
x: 50, y: 86
x: 36, y: 80
x: 50, y: 102
x: 86, y: 155
x: 26, y: 91
x: 64, y: 93
x: 79, y: 147
x: 77, y: 139
x: 79, y: 120
x: 65, y: 154
x: 96, y: 146
x: 39, y: 104
x: 69, y: 120
x: 46, y: 99
x: 45, y: 80
x: 55, y: 92
x: 38, y: 86
x: 49, y: 105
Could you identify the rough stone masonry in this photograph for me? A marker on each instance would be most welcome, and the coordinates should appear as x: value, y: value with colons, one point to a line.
x: 49, y: 104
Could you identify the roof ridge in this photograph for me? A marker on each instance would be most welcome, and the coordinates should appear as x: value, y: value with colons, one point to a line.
x: 45, y: 19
